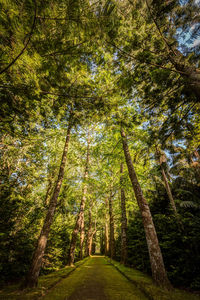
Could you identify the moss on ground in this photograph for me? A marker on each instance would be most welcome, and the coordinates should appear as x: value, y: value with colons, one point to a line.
x: 46, y: 282
x: 145, y: 283
x: 95, y: 278
x: 88, y: 282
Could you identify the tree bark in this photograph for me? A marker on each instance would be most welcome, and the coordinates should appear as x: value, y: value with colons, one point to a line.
x: 94, y: 237
x: 123, y: 220
x: 102, y: 249
x: 162, y: 159
x: 88, y: 249
x: 46, y: 201
x: 191, y: 74
x: 157, y: 265
x: 92, y: 246
x: 106, y: 237
x: 32, y: 277
x: 79, y: 225
x: 112, y: 230
x: 49, y: 189
x: 167, y: 187
x: 82, y: 231
x: 106, y: 231
x: 188, y: 72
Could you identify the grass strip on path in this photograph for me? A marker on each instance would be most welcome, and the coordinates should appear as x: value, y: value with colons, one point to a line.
x: 96, y: 279
x: 45, y: 283
x: 145, y: 284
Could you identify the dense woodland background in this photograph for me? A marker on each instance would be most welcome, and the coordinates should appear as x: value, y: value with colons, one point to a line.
x: 100, y: 67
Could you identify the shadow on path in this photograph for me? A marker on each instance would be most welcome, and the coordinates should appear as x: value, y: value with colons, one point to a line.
x: 96, y: 279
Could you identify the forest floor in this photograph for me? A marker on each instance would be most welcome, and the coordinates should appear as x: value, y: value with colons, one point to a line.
x: 95, y: 278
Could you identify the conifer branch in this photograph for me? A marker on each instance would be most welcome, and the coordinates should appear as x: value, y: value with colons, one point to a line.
x: 27, y: 42
x: 158, y: 28
x: 146, y: 62
x: 64, y: 51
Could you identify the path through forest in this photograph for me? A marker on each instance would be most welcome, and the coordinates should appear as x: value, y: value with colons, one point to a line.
x: 95, y: 279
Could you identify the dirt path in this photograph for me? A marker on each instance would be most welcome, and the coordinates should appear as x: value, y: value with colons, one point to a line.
x: 96, y: 279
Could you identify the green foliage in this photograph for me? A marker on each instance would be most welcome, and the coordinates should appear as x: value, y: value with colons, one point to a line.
x: 182, y: 266
x: 107, y: 63
x: 145, y: 284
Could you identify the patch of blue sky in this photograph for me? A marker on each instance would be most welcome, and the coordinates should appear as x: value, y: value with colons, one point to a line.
x: 186, y: 38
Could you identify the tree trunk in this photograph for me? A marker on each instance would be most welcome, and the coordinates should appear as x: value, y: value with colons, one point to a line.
x: 102, y: 249
x: 49, y: 189
x: 92, y: 246
x: 191, y: 74
x: 106, y: 237
x: 167, y: 187
x: 157, y: 265
x: 162, y: 159
x: 106, y: 230
x: 32, y: 277
x: 79, y: 225
x: 94, y: 237
x: 82, y: 232
x: 46, y: 201
x: 88, y: 248
x: 123, y: 220
x: 112, y: 238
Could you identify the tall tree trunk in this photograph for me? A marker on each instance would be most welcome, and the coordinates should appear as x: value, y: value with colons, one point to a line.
x: 32, y: 277
x: 92, y: 246
x: 79, y: 225
x: 46, y: 201
x: 112, y: 230
x: 94, y: 240
x: 157, y: 265
x: 88, y: 247
x: 106, y: 236
x: 102, y: 249
x: 123, y: 220
x: 168, y: 189
x: 49, y: 188
x: 190, y: 73
x: 106, y: 230
x: 82, y: 232
x: 162, y: 160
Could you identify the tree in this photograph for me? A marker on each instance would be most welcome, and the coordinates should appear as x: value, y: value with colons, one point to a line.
x: 32, y: 277
x: 88, y: 247
x: 99, y: 59
x: 123, y: 220
x: 157, y: 266
x: 79, y: 225
x: 106, y: 233
x: 162, y: 160
x: 112, y: 226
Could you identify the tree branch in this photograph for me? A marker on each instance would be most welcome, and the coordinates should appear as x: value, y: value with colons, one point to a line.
x: 27, y: 42
x: 148, y: 63
x: 64, y: 51
x: 71, y: 96
x: 158, y: 28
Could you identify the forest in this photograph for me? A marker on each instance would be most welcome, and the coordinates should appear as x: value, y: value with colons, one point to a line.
x: 100, y: 140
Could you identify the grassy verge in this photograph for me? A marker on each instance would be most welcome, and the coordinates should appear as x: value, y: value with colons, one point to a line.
x: 46, y: 282
x: 145, y: 284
